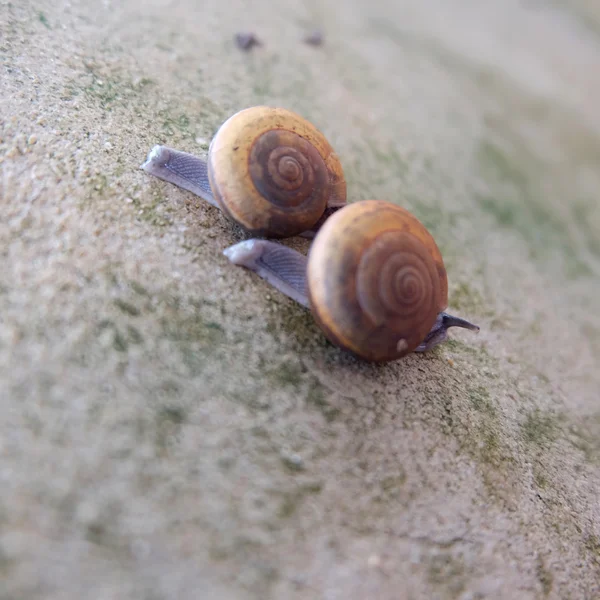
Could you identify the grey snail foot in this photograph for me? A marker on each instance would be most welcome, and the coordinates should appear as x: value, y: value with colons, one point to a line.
x: 285, y: 269
x: 182, y: 169
x: 282, y: 267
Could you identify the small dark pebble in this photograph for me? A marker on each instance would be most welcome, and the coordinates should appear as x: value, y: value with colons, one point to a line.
x: 245, y: 40
x: 315, y: 38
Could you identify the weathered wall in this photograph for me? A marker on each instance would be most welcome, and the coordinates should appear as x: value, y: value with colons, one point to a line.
x: 172, y: 428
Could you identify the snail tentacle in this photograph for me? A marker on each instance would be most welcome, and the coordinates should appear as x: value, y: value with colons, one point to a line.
x: 439, y: 331
x: 282, y: 267
x: 182, y: 169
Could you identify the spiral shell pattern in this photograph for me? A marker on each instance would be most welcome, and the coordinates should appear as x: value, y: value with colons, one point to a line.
x: 376, y: 280
x: 289, y: 172
x: 273, y: 172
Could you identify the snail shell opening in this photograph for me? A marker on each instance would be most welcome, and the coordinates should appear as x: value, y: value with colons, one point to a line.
x: 273, y: 172
x: 376, y: 280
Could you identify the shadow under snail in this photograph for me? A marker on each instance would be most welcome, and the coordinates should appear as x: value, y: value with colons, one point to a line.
x: 374, y: 278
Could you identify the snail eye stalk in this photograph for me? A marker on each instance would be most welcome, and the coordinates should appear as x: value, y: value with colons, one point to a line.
x: 439, y: 331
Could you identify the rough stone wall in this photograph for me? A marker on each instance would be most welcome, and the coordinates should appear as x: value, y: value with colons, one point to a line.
x: 170, y: 427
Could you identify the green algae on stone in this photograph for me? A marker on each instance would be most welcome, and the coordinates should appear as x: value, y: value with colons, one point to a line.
x: 155, y: 212
x: 465, y: 298
x: 122, y: 336
x: 173, y: 122
x: 544, y: 576
x: 478, y: 428
x: 169, y: 420
x: 138, y: 288
x: 447, y: 570
x: 171, y: 414
x: 126, y: 307
x: 392, y: 484
x: 44, y: 20
x: 106, y: 91
x: 586, y: 438
x: 540, y: 428
x: 109, y: 87
x: 288, y: 372
x: 592, y: 545
x: 134, y: 335
x: 317, y: 396
x: 191, y: 328
x: 480, y: 400
x: 516, y: 202
x: 296, y: 322
x: 583, y: 213
x: 540, y: 477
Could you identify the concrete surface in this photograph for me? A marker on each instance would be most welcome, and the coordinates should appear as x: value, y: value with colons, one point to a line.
x: 171, y: 428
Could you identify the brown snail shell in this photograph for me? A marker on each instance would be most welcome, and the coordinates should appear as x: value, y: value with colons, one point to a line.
x: 273, y: 172
x: 376, y: 280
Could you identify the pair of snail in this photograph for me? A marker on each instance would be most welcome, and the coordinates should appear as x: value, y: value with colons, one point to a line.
x: 374, y: 277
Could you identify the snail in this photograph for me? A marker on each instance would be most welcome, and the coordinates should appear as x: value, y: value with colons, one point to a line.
x: 374, y: 277
x: 374, y: 280
x: 268, y: 169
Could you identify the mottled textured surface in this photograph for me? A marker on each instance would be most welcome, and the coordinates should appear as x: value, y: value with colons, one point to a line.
x: 172, y: 428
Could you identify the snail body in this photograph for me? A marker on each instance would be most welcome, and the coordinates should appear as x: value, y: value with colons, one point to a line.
x: 268, y: 169
x: 374, y: 280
